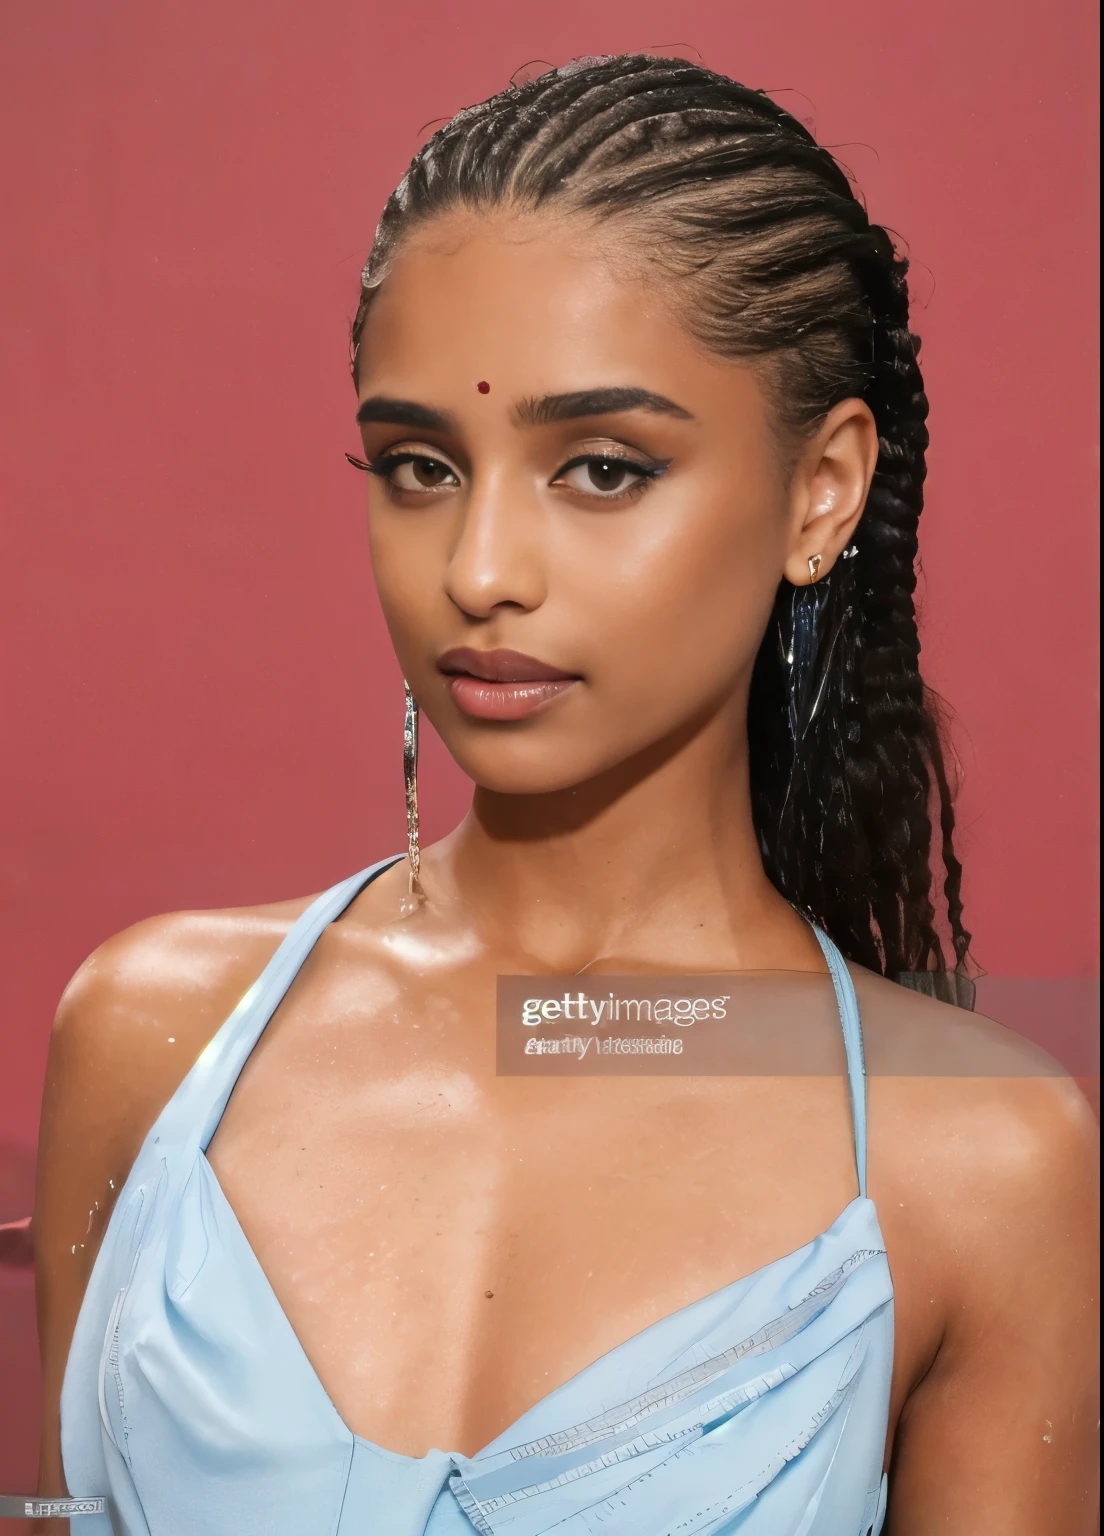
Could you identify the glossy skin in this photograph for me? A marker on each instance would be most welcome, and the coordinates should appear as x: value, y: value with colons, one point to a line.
x: 386, y: 1178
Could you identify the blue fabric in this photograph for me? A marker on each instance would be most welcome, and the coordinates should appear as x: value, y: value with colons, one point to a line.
x: 760, y: 1409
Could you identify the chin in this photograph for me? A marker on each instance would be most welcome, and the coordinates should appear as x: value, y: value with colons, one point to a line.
x: 506, y: 763
x: 506, y: 774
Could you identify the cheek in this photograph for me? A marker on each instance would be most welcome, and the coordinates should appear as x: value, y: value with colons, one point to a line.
x: 674, y: 607
x: 407, y: 559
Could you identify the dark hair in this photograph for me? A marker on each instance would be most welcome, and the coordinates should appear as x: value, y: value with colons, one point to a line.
x: 770, y: 256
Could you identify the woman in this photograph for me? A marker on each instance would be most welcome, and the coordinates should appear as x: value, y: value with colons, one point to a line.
x: 645, y: 432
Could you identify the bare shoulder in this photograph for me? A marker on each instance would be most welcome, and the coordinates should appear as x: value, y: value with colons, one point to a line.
x: 983, y: 1167
x: 908, y: 1033
x: 979, y: 1138
x: 173, y: 978
x: 128, y: 1027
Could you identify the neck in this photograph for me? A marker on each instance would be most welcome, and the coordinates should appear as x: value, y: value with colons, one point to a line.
x: 654, y: 863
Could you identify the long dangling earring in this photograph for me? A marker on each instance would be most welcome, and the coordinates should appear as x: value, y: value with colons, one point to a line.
x: 415, y: 894
x: 806, y: 651
x: 799, y: 625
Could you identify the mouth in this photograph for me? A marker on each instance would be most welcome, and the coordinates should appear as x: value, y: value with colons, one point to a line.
x: 501, y: 684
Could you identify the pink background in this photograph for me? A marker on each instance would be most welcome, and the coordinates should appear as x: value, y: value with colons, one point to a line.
x: 199, y: 703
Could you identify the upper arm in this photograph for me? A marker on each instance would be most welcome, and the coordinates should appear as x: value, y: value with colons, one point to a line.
x: 1000, y: 1436
x: 129, y: 1026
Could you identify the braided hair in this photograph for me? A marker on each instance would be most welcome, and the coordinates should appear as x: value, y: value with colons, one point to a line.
x: 768, y: 256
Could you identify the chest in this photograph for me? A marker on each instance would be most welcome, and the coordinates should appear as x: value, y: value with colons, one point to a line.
x: 450, y: 1245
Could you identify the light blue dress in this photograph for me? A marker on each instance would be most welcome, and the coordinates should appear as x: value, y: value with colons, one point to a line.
x: 188, y: 1400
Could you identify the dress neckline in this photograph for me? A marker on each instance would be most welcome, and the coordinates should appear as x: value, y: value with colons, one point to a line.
x: 860, y: 1202
x: 193, y: 1114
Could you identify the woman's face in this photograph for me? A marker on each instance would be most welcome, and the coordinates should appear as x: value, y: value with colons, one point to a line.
x: 578, y: 517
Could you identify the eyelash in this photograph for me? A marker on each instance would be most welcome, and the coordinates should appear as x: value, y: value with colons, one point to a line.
x: 650, y: 470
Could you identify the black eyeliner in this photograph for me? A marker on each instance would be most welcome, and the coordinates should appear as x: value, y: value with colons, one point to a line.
x: 651, y: 468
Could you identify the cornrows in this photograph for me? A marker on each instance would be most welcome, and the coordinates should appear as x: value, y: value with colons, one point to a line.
x: 768, y: 255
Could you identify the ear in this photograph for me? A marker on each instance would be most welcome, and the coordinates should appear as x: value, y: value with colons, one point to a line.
x: 829, y: 489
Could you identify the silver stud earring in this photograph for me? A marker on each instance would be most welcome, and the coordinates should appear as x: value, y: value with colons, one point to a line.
x: 415, y: 895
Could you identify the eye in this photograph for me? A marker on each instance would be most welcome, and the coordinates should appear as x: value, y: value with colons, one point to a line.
x: 414, y: 472
x: 608, y: 476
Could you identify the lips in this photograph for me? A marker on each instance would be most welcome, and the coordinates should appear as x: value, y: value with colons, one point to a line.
x: 502, y: 684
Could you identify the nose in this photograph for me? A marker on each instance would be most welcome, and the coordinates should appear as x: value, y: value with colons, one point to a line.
x: 498, y: 558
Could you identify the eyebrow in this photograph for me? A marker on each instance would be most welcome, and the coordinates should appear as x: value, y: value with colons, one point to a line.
x: 597, y: 402
x: 536, y: 412
x: 403, y: 413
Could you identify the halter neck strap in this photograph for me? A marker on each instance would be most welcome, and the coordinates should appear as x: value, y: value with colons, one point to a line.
x: 193, y: 1113
x: 851, y: 1025
x: 197, y: 1107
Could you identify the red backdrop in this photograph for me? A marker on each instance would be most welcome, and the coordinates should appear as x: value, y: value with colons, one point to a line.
x: 199, y: 706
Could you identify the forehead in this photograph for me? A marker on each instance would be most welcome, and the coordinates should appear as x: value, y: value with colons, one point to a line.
x: 532, y: 304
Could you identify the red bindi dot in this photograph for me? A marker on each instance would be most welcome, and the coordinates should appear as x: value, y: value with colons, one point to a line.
x: 483, y: 387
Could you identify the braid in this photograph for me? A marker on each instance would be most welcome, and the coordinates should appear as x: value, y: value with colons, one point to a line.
x: 772, y: 258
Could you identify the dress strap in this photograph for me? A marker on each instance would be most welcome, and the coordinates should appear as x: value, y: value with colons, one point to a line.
x: 192, y: 1115
x: 851, y: 1024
